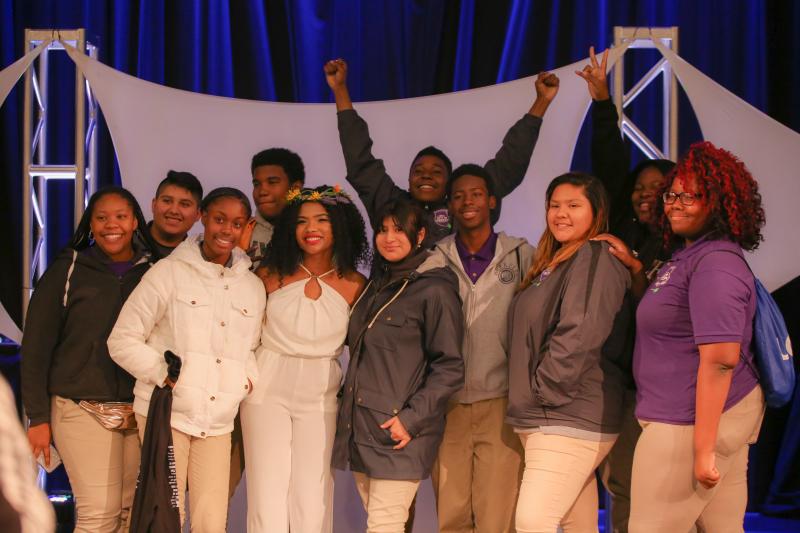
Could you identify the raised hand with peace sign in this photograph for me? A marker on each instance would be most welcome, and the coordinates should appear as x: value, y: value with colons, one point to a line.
x: 595, y: 75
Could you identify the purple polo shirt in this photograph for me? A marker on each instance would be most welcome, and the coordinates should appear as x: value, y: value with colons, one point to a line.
x: 477, y: 263
x: 703, y: 295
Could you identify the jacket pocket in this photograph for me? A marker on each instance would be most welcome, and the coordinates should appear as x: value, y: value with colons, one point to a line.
x: 82, y: 363
x: 192, y: 320
x: 192, y: 300
x: 371, y: 410
x: 386, y: 332
x: 738, y: 424
x: 243, y: 320
x: 534, y: 361
x: 189, y: 394
x: 232, y: 377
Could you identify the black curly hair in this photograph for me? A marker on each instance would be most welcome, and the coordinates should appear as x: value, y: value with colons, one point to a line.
x: 350, y: 247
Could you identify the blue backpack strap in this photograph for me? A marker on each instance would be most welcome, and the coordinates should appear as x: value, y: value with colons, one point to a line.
x: 772, y: 347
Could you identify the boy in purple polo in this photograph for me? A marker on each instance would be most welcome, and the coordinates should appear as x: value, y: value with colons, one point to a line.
x: 477, y: 474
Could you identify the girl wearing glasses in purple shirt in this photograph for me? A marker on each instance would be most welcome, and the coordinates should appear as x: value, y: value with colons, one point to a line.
x: 698, y: 398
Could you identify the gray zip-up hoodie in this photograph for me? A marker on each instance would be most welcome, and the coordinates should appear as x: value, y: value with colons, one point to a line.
x: 567, y: 357
x: 485, y: 304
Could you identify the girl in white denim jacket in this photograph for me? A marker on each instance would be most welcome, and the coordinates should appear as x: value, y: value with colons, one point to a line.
x: 202, y: 303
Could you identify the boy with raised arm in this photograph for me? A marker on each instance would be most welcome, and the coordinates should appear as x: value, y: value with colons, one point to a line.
x: 431, y: 168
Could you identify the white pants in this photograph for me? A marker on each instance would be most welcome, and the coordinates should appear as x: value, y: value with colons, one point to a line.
x: 288, y: 428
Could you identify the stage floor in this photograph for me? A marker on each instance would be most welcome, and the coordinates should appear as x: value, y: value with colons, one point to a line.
x: 753, y: 523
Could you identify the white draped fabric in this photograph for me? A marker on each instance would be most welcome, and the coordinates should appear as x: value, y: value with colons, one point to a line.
x: 12, y: 73
x: 155, y: 129
x: 772, y: 153
x: 9, y: 76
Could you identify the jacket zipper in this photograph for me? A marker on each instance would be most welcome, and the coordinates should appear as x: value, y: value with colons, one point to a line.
x: 471, y: 303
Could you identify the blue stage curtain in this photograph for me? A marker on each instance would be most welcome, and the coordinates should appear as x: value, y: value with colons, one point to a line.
x: 275, y: 49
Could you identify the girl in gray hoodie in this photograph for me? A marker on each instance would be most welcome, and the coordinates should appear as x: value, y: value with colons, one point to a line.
x: 566, y: 380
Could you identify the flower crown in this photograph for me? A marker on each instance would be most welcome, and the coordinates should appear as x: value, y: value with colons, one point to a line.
x: 330, y: 196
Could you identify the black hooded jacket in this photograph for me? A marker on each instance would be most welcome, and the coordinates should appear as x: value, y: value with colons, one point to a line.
x: 405, y: 339
x: 610, y: 161
x: 64, y: 348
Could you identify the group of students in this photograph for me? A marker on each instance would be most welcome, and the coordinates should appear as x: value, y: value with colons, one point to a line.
x: 507, y: 373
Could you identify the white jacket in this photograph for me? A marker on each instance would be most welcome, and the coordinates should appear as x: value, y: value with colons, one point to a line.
x: 208, y: 315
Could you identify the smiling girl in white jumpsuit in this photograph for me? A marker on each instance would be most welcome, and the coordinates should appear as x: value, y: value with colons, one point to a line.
x: 289, y: 422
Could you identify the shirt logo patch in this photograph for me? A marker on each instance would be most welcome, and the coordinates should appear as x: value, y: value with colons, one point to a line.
x: 505, y: 274
x: 663, y: 279
x: 441, y: 217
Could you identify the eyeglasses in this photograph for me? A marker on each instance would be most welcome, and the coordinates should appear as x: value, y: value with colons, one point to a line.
x: 686, y: 198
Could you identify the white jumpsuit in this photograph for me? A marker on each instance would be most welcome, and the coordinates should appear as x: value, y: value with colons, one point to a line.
x: 289, y: 421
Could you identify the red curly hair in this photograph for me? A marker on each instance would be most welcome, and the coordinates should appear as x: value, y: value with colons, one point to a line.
x: 730, y: 192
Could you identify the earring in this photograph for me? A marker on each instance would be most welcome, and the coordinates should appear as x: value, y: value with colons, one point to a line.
x: 91, y: 236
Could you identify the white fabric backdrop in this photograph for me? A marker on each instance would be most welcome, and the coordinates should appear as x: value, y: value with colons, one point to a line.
x: 772, y: 153
x: 8, y: 78
x: 155, y: 128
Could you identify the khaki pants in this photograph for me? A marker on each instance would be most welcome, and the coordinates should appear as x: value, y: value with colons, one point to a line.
x: 102, y: 466
x: 386, y: 502
x: 559, y: 486
x: 237, y: 456
x: 618, y: 465
x: 205, y: 463
x: 477, y: 474
x: 667, y: 498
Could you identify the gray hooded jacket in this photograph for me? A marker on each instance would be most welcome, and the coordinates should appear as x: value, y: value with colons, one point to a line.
x: 485, y: 305
x: 404, y: 338
x: 567, y: 356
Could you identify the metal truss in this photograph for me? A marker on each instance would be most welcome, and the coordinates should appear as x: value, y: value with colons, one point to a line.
x: 36, y: 171
x: 643, y: 38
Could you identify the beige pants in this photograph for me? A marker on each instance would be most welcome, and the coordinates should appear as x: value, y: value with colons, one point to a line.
x: 101, y: 464
x: 667, y: 498
x: 618, y: 465
x: 478, y: 471
x: 386, y: 502
x: 559, y: 485
x: 205, y: 463
x: 237, y: 457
